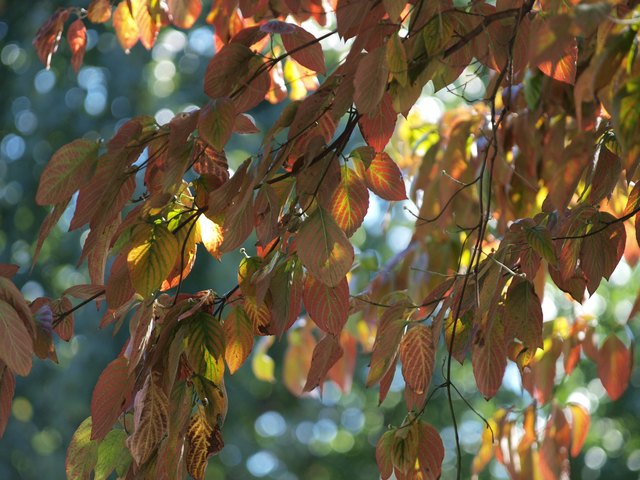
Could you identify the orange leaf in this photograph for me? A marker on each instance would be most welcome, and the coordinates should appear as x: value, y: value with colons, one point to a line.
x: 524, y: 314
x: 7, y: 389
x: 378, y: 126
x: 580, y: 421
x: 16, y: 345
x: 304, y: 48
x: 151, y: 419
x: 417, y: 354
x: 77, y: 38
x: 350, y: 201
x: 324, y: 248
x: 108, y: 399
x: 125, y: 26
x: 48, y: 36
x: 147, y: 28
x: 387, y: 341
x: 565, y: 68
x: 68, y: 170
x: 184, y: 13
x: 430, y: 452
x: 238, y: 334
x: 384, y: 178
x: 371, y: 80
x: 327, y: 306
x: 325, y: 354
x: 614, y: 366
x: 99, y: 11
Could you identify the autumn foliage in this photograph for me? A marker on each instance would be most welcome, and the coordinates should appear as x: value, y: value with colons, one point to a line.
x: 536, y: 179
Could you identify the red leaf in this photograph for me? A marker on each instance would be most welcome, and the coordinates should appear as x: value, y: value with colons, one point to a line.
x: 70, y: 168
x: 305, y: 49
x: 110, y: 396
x: 184, y: 13
x: 216, y: 121
x: 231, y: 62
x: 614, y: 366
x: 77, y: 38
x: 383, y: 454
x: 580, y: 421
x: 387, y: 341
x: 245, y: 124
x: 565, y: 68
x: 350, y: 201
x: 324, y: 248
x: 7, y: 389
x: 430, y: 452
x: 325, y: 354
x: 384, y: 178
x: 48, y: 36
x: 378, y: 126
x: 417, y: 354
x: 489, y: 357
x: 99, y: 11
x: 371, y: 80
x: 8, y: 270
x: 16, y: 345
x: 327, y: 306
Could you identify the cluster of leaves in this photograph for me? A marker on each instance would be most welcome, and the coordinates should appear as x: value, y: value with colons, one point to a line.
x: 536, y: 179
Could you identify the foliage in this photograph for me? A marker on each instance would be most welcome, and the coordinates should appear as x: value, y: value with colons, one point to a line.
x: 538, y: 177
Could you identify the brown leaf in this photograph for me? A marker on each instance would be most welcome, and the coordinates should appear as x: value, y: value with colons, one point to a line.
x: 371, y: 80
x: 325, y: 354
x: 417, y: 354
x: 110, y: 396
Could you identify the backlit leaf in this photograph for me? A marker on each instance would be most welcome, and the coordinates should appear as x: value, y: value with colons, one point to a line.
x: 397, y: 59
x: 113, y: 455
x: 626, y: 113
x: 324, y: 248
x: 82, y: 453
x: 417, y: 354
x: 99, y: 11
x: 238, y: 333
x: 125, y: 26
x: 523, y: 314
x: 154, y: 252
x: 151, y: 419
x: 404, y: 451
x: 305, y: 49
x: 262, y: 364
x: 77, y: 38
x: 385, y: 346
x: 614, y: 366
x: 109, y: 397
x: 371, y: 80
x: 69, y: 169
x: 350, y: 201
x: 430, y: 451
x: 206, y: 346
x: 216, y: 121
x: 384, y: 178
x: 184, y: 13
x: 383, y: 454
x: 378, y: 125
x: 203, y: 440
x: 489, y: 356
x: 325, y: 354
x: 580, y: 422
x: 564, y: 69
x: 327, y: 306
x: 540, y: 240
x: 16, y: 345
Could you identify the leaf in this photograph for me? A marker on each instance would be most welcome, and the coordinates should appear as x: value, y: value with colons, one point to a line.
x: 113, y: 455
x: 16, y: 345
x: 384, y: 178
x: 396, y: 57
x: 82, y: 453
x: 580, y: 421
x: 99, y: 11
x: 489, y: 356
x: 216, y: 121
x: 262, y: 364
x: 110, y: 397
x: 614, y: 366
x: 325, y: 354
x: 70, y: 168
x: 371, y: 80
x: 324, y: 248
x: 125, y: 26
x: 327, y: 306
x: 286, y: 295
x: 151, y: 419
x: 238, y: 334
x: 49, y: 34
x: 418, y: 355
x: 77, y: 38
x: 523, y: 315
x: 385, y: 346
x: 245, y: 124
x: 378, y: 126
x: 430, y: 451
x: 231, y: 62
x: 350, y: 201
x: 147, y: 27
x: 539, y: 239
x: 626, y: 113
x: 203, y: 441
x: 206, y: 346
x: 184, y: 13
x: 304, y: 48
x: 564, y: 69
x: 383, y: 454
x: 152, y: 257
x: 601, y: 252
x: 7, y: 389
x: 405, y: 448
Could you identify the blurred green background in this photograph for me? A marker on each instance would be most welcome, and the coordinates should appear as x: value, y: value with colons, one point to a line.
x: 269, y: 433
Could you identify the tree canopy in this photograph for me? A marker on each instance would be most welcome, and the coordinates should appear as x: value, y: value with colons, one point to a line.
x: 529, y: 176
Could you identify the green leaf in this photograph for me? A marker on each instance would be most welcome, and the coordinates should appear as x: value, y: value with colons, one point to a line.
x: 324, y: 248
x: 113, y: 454
x: 539, y: 239
x: 70, y: 168
x: 152, y: 257
x: 626, y: 113
x: 82, y: 453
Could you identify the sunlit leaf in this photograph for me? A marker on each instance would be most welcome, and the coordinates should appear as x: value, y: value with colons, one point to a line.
x: 77, y: 38
x: 82, y: 453
x: 304, y: 48
x: 113, y: 455
x: 385, y: 179
x: 417, y: 354
x: 350, y: 201
x: 580, y: 422
x: 184, y: 13
x: 327, y: 306
x: 125, y: 26
x: 614, y: 366
x: 238, y: 333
